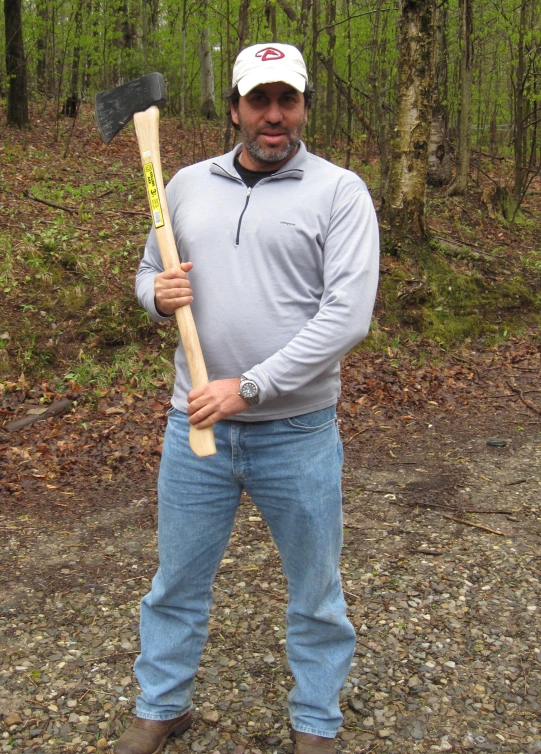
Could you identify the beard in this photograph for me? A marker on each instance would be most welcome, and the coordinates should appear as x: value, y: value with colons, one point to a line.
x: 266, y: 154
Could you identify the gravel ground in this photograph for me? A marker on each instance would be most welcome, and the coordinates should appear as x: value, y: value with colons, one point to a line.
x: 447, y: 614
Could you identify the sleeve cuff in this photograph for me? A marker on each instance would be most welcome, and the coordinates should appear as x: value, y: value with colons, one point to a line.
x: 157, y: 315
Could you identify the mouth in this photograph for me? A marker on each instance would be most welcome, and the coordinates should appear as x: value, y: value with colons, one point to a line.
x: 273, y: 137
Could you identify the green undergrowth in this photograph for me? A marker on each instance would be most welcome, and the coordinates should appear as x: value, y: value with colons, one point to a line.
x: 453, y: 302
x: 139, y: 368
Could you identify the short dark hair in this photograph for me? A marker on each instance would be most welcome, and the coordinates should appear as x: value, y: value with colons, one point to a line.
x: 232, y: 97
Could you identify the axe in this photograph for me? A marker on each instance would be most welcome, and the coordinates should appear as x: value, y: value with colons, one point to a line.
x: 141, y: 100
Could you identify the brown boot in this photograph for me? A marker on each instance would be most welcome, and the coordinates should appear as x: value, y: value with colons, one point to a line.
x: 306, y: 743
x: 149, y: 736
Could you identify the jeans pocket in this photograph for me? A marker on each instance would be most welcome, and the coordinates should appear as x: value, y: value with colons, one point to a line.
x: 314, y: 421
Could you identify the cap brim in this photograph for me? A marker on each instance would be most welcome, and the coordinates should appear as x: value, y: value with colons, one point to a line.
x: 271, y: 76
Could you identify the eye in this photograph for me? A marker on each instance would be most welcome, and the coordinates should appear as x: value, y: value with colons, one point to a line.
x: 257, y: 99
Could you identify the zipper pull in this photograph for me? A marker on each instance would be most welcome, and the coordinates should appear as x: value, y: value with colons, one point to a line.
x: 249, y: 192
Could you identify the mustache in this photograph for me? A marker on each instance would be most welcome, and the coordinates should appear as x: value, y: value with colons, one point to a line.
x: 275, y: 127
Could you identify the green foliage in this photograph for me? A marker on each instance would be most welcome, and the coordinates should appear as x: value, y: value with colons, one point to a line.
x: 141, y: 369
x: 454, y: 303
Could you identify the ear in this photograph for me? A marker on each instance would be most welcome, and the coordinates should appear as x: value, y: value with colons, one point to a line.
x: 235, y: 113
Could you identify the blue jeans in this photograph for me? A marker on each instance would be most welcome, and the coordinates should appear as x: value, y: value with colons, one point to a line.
x: 291, y: 468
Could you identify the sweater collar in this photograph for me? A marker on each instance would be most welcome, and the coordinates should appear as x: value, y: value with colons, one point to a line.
x: 293, y: 168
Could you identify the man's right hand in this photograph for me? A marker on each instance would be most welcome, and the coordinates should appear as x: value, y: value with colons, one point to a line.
x: 172, y: 289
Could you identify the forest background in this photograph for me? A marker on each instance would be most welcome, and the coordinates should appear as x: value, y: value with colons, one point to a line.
x: 437, y: 107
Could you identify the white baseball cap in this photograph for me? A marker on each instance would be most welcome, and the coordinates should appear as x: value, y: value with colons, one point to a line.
x: 267, y: 63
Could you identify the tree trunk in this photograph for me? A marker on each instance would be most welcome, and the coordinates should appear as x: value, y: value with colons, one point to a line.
x: 41, y: 48
x: 329, y: 121
x: 270, y: 15
x: 349, y: 125
x: 377, y: 121
x: 150, y: 26
x: 75, y: 94
x: 521, y: 172
x: 460, y: 183
x: 244, y: 23
x: 183, y: 64
x: 17, y: 106
x: 208, y: 102
x: 439, y: 160
x: 313, y: 72
x: 403, y: 206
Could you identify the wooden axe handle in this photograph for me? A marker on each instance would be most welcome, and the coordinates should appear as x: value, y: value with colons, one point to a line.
x: 147, y: 126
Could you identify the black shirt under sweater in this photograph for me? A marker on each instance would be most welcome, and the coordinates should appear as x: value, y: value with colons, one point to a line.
x: 251, y: 177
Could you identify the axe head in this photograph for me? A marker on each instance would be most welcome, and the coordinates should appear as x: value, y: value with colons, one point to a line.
x: 116, y: 107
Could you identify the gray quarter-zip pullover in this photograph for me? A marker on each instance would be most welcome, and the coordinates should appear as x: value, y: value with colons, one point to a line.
x: 284, y: 277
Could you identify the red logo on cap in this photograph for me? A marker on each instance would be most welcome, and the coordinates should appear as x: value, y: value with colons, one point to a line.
x: 270, y: 53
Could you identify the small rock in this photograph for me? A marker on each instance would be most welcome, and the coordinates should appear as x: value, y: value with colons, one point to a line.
x: 102, y: 743
x: 414, y: 681
x: 416, y: 730
x: 211, y: 716
x: 385, y: 732
x: 355, y: 704
x: 269, y: 659
x: 13, y: 719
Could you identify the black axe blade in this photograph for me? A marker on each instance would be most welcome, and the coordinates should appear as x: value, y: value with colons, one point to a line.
x: 116, y: 107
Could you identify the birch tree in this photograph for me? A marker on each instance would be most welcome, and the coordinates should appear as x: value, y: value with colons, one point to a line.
x: 403, y: 207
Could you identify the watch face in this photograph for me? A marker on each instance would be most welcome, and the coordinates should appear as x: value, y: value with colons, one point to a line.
x: 249, y: 390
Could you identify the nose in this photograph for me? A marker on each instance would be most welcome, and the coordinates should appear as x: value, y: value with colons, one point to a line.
x: 273, y: 113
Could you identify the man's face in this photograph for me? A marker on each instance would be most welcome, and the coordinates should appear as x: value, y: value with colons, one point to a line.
x: 271, y: 118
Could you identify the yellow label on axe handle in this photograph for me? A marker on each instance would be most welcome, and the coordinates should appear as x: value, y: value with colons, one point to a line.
x: 153, y: 196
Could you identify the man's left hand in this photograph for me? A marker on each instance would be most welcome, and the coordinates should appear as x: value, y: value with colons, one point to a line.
x: 215, y: 401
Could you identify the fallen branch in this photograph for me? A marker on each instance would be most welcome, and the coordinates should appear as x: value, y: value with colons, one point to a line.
x: 55, y: 409
x: 477, y: 526
x: 360, y: 432
x: 520, y: 394
x: 504, y: 513
x: 459, y: 244
x: 28, y: 195
x: 64, y: 208
x: 120, y: 653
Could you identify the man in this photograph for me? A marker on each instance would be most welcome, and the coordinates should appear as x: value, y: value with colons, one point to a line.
x: 281, y: 248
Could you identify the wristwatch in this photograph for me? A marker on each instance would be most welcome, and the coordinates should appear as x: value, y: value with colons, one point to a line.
x: 249, y: 390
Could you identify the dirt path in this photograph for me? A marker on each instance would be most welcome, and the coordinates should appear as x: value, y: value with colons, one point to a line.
x: 441, y: 568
